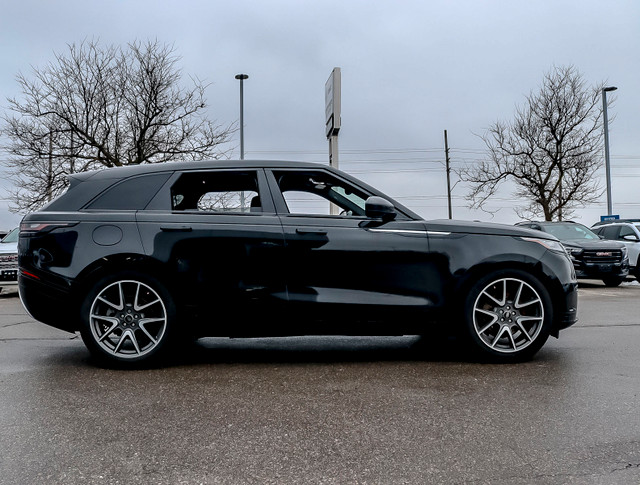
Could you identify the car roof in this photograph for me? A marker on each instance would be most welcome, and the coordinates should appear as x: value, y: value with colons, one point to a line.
x: 131, y: 170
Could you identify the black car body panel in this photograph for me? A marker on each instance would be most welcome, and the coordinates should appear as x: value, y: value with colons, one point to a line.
x: 312, y: 273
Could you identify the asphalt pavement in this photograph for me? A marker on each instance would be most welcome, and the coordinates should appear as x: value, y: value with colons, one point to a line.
x: 326, y: 409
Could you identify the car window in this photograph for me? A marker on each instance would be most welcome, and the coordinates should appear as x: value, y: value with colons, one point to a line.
x: 131, y: 194
x: 12, y: 236
x: 221, y: 191
x: 611, y: 232
x: 626, y: 231
x: 312, y: 192
x: 569, y: 231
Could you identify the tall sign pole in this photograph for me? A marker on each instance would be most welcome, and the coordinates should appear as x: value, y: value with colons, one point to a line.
x: 332, y: 100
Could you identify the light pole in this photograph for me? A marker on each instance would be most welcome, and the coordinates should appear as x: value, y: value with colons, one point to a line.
x: 242, y: 77
x: 606, y: 145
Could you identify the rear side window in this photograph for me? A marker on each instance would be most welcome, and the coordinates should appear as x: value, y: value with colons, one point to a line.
x: 130, y: 194
x: 217, y: 191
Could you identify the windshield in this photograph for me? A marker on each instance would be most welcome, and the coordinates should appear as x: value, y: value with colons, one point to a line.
x: 11, y: 237
x: 569, y: 231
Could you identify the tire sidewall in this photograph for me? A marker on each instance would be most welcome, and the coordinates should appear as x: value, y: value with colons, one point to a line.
x: 160, y: 350
x: 478, y: 346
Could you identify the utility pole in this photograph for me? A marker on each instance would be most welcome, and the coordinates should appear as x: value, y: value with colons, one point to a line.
x: 446, y: 154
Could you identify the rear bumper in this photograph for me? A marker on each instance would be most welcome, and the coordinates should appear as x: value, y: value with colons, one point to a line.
x: 48, y: 303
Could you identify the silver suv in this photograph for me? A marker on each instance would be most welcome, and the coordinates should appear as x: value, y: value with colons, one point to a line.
x: 9, y: 259
x: 627, y: 233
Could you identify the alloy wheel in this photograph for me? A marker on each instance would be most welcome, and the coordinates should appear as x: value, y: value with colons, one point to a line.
x: 508, y: 315
x: 128, y: 319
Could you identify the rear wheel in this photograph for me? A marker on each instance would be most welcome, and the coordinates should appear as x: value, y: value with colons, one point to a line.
x: 508, y: 315
x: 128, y: 318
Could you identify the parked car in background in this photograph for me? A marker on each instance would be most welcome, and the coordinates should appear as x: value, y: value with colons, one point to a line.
x: 9, y: 259
x: 137, y: 258
x: 627, y: 233
x: 601, y: 223
x: 592, y: 257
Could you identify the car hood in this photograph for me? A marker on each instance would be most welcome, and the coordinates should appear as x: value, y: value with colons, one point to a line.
x: 592, y: 244
x: 489, y: 228
x: 8, y: 248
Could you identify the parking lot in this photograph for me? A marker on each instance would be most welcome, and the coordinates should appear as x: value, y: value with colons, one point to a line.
x: 327, y: 410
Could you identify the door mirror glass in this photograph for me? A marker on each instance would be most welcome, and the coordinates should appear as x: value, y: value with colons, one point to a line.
x: 379, y: 208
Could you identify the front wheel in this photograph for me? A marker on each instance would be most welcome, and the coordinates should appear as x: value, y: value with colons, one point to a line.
x: 127, y: 318
x: 508, y: 315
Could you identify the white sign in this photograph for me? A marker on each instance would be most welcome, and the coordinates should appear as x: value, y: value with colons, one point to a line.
x: 332, y: 94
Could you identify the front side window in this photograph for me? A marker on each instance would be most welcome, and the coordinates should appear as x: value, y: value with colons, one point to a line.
x: 626, y: 231
x: 216, y: 191
x: 312, y: 192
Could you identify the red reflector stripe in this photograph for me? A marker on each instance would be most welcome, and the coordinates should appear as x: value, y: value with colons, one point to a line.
x: 26, y: 273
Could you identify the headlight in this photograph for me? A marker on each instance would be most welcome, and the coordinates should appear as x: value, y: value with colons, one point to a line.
x: 574, y: 251
x: 550, y: 244
x: 624, y: 252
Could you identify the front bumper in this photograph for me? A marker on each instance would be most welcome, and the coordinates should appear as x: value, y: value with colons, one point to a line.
x: 599, y: 271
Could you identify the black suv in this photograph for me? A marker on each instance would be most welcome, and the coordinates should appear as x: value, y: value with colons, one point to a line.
x: 137, y: 258
x: 592, y: 257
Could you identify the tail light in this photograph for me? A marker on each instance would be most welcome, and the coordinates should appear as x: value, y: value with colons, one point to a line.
x: 31, y: 228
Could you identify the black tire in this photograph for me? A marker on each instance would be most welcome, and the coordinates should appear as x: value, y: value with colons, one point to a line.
x: 127, y: 319
x: 612, y: 281
x: 508, y: 316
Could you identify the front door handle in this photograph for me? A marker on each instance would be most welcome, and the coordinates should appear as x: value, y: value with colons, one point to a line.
x: 315, y: 232
x: 176, y: 228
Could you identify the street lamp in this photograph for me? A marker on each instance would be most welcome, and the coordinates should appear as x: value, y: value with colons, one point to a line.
x: 242, y: 77
x: 606, y: 145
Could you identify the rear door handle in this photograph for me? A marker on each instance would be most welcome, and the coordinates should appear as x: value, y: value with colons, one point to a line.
x: 176, y: 228
x: 316, y: 232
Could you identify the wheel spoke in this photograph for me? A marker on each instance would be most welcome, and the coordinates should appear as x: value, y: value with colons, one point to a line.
x: 510, y: 334
x: 504, y: 295
x: 523, y: 330
x: 112, y: 305
x: 114, y: 324
x: 522, y: 305
x: 138, y: 308
x: 527, y: 319
x: 142, y: 324
x: 497, y: 337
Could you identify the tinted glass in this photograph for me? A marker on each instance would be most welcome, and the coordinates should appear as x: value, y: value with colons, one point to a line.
x: 569, y: 231
x: 130, y: 194
x: 312, y: 192
x: 611, y: 232
x: 12, y: 236
x: 216, y: 191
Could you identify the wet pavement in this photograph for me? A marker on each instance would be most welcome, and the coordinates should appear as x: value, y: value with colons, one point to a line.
x: 326, y: 410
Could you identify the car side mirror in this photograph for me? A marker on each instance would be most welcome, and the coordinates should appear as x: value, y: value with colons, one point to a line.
x: 631, y: 237
x: 600, y: 236
x: 379, y: 208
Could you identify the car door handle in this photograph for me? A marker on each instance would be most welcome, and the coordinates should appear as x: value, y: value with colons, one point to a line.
x: 176, y: 228
x: 316, y: 232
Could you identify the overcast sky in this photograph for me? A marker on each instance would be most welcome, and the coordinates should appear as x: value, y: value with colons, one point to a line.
x: 410, y: 69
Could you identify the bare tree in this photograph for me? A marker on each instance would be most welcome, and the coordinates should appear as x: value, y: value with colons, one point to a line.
x: 551, y: 150
x: 97, y: 107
